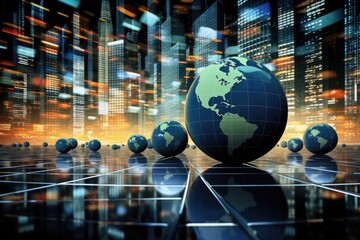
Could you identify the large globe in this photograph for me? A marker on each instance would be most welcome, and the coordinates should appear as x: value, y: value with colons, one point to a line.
x: 169, y: 138
x: 320, y: 138
x: 236, y: 110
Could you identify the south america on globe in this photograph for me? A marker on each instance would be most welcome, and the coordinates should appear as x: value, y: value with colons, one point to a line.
x: 236, y: 110
x: 137, y: 143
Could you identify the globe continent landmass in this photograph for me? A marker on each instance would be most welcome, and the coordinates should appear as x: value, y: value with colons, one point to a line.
x: 235, y: 127
x: 167, y: 136
x: 236, y: 110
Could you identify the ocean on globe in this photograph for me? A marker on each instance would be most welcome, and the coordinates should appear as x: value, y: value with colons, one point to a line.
x: 320, y: 138
x: 295, y: 144
x: 137, y: 143
x: 169, y: 138
x: 236, y: 110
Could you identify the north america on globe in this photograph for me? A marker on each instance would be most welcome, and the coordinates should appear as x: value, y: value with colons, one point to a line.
x: 236, y: 110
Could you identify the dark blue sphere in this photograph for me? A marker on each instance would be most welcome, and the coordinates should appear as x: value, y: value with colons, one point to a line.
x: 19, y: 145
x: 343, y: 145
x: 320, y: 138
x: 169, y: 176
x: 94, y: 145
x: 193, y: 146
x: 82, y: 145
x: 63, y: 145
x: 283, y: 144
x: 13, y: 145
x: 245, y: 203
x: 295, y: 144
x: 137, y: 143
x: 149, y: 144
x: 169, y: 138
x: 45, y: 144
x: 26, y: 144
x: 236, y: 110
x: 73, y: 142
x: 321, y: 169
x: 114, y: 147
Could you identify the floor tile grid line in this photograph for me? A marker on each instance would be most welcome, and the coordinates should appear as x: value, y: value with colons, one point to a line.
x: 64, y: 183
x: 240, y: 221
x: 93, y: 200
x: 310, y: 183
x: 107, y: 222
x: 42, y: 171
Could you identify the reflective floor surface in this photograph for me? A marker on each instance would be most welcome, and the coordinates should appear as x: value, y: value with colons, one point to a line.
x: 117, y: 195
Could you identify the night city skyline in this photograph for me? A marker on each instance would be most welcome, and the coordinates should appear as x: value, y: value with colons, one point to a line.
x: 114, y: 68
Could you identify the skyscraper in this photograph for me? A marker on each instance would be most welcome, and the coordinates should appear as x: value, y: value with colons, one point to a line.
x: 254, y: 30
x: 318, y: 46
x: 117, y: 100
x: 105, y: 36
x: 286, y: 48
x: 352, y: 66
x: 78, y: 79
x: 52, y: 84
x: 208, y: 45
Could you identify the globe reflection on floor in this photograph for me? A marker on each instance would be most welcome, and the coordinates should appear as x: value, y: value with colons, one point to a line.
x: 64, y: 161
x: 94, y: 157
x: 137, y: 163
x: 321, y: 169
x: 295, y: 158
x: 253, y: 204
x: 169, y: 176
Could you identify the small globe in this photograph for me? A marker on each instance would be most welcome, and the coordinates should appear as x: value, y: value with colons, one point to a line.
x: 82, y: 145
x: 73, y: 142
x: 343, y: 145
x: 94, y: 145
x: 137, y: 143
x: 169, y: 176
x: 63, y: 145
x: 19, y: 145
x: 236, y: 110
x: 149, y: 144
x: 283, y: 144
x: 320, y: 138
x: 295, y: 144
x: 13, y: 145
x: 243, y: 202
x: 169, y: 138
x: 26, y: 144
x: 45, y: 144
x: 321, y: 169
x: 114, y: 147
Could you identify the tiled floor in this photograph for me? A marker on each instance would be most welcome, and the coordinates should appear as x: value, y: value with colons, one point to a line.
x: 116, y: 195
